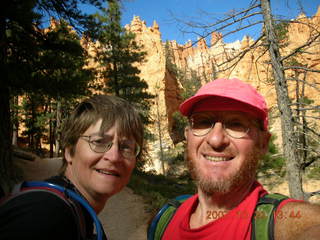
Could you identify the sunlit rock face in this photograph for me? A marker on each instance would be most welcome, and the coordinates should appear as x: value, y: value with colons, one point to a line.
x: 207, y: 60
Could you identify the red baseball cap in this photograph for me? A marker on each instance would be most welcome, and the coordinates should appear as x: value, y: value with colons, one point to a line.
x: 227, y: 95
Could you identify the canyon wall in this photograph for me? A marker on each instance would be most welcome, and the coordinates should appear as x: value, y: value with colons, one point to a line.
x: 207, y: 61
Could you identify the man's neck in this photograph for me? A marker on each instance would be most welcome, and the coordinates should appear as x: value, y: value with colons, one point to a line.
x: 217, y: 205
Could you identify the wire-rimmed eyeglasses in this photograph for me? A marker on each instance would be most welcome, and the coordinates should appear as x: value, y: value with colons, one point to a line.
x: 201, y: 124
x: 101, y: 144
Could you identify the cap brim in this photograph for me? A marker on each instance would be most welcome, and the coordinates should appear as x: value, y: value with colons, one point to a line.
x: 219, y: 103
x: 187, y: 106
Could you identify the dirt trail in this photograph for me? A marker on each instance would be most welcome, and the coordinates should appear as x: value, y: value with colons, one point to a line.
x: 276, y: 185
x: 123, y: 218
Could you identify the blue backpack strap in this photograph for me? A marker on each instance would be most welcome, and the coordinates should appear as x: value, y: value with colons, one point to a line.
x: 263, y: 219
x: 76, y: 197
x: 67, y: 195
x: 24, y: 188
x: 163, y: 217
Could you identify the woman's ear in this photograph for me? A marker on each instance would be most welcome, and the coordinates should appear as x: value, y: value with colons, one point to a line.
x: 67, y: 155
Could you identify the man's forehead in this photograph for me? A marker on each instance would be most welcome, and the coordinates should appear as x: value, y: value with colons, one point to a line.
x: 223, y: 114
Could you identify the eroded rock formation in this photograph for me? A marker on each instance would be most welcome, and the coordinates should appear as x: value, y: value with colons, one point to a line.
x: 207, y: 61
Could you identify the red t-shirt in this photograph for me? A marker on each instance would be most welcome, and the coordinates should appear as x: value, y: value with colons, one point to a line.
x: 234, y: 225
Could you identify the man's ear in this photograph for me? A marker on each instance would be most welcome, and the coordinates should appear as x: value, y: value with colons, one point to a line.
x: 67, y: 155
x: 186, y: 131
x: 265, y: 141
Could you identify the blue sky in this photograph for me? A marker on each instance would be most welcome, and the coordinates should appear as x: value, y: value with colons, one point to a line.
x: 164, y: 11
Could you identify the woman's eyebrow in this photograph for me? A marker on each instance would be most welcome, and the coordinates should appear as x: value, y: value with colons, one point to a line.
x: 97, y: 134
x: 101, y: 134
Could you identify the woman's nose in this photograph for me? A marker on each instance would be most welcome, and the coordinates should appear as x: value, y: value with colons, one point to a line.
x: 113, y: 153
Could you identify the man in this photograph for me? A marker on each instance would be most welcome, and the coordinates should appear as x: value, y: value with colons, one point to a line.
x: 226, y: 137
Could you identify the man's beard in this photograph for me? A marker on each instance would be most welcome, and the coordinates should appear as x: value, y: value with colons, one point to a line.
x: 244, y: 175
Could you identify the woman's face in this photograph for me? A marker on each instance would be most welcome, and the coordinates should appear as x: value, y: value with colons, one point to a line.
x: 98, y: 176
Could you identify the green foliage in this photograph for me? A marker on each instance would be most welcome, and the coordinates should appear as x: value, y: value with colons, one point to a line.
x: 281, y: 30
x: 157, y: 189
x: 292, y: 61
x: 59, y: 75
x: 308, y: 140
x: 61, y: 67
x: 33, y: 61
x: 179, y: 123
x: 190, y: 85
x: 174, y: 155
x: 170, y: 66
x: 32, y: 56
x: 118, y: 58
x: 189, y: 80
x: 273, y: 162
x: 34, y: 120
x: 314, y: 172
x: 306, y: 100
x: 16, y: 111
x: 281, y: 33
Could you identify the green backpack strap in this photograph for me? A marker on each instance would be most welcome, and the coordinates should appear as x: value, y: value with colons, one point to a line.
x: 262, y: 222
x: 163, y: 217
x: 263, y: 219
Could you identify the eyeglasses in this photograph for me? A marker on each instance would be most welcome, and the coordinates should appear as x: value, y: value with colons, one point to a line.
x: 202, y: 123
x: 101, y: 144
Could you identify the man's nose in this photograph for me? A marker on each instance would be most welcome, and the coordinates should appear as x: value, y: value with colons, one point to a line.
x: 217, y: 138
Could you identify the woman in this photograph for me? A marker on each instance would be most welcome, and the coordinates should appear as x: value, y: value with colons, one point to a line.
x: 101, y: 141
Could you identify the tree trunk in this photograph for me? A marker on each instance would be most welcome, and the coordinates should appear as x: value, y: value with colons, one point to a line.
x: 15, y: 125
x: 7, y: 174
x: 58, y: 127
x: 160, y: 137
x: 290, y: 146
x: 51, y: 132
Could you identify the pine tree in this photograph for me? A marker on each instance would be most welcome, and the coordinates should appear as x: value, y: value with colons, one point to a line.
x: 118, y: 56
x: 24, y: 69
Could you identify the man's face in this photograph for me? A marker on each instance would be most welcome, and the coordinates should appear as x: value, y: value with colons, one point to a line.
x: 218, y: 161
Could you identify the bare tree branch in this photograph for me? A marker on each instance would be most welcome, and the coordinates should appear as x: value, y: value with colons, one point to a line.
x: 239, y: 56
x: 311, y: 40
x: 302, y: 68
x: 305, y: 82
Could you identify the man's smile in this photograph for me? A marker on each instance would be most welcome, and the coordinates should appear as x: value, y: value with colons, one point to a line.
x: 216, y: 159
